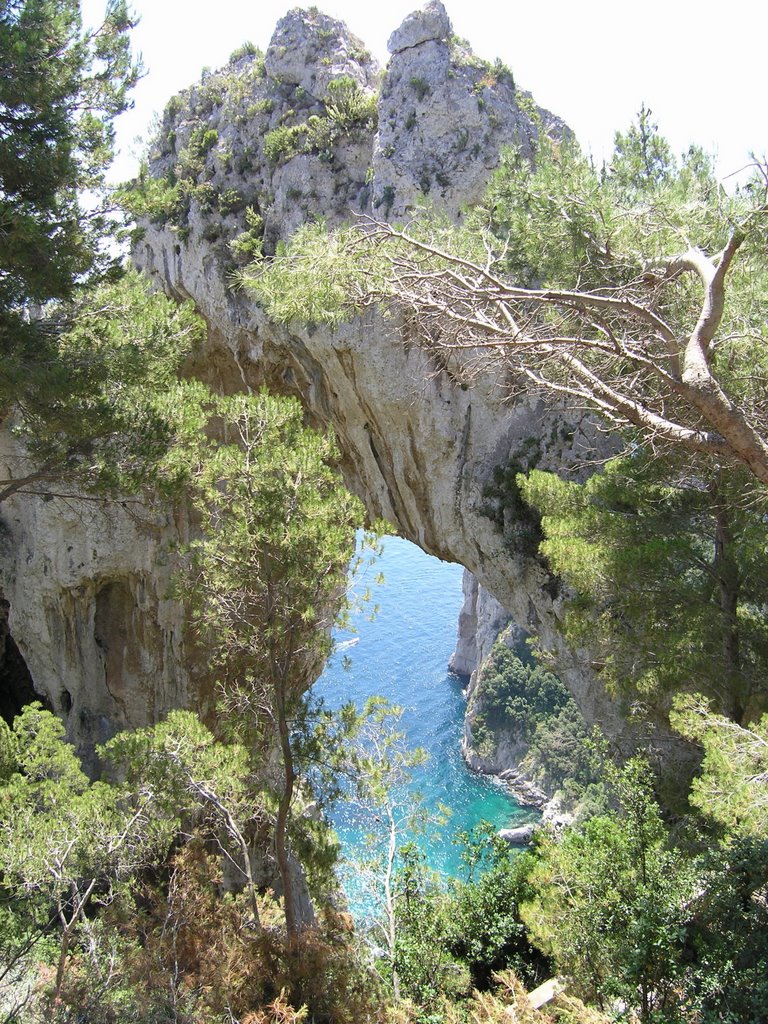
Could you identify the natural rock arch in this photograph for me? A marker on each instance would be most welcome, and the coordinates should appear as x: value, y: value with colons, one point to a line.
x: 422, y: 451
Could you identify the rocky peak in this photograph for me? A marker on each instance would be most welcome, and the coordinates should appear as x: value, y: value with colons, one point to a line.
x: 444, y: 117
x: 430, y: 23
x: 309, y: 49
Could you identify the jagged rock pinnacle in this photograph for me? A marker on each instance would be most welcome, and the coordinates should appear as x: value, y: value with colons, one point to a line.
x: 308, y: 49
x: 431, y: 22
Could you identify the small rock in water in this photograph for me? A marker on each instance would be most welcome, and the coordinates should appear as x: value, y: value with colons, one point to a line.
x: 519, y: 836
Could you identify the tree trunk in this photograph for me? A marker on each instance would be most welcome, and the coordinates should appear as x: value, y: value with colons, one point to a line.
x: 389, y: 900
x: 281, y: 825
x: 61, y: 966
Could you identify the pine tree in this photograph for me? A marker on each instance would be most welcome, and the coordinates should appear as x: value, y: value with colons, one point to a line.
x: 60, y: 92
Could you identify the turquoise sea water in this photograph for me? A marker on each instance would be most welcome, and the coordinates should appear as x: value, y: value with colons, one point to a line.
x: 403, y: 655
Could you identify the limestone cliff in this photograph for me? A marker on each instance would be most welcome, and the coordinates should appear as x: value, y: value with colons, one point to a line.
x: 88, y: 611
x: 494, y: 742
x: 482, y: 620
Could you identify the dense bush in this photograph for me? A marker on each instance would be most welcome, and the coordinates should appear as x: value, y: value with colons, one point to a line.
x: 453, y: 937
x: 518, y: 699
x: 518, y: 694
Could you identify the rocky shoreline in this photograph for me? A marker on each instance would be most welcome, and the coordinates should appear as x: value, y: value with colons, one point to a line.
x: 482, y: 621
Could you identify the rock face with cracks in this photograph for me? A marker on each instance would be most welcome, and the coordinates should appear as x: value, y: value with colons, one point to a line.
x: 89, y: 618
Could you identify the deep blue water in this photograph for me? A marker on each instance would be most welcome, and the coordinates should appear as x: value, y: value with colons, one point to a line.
x: 403, y: 655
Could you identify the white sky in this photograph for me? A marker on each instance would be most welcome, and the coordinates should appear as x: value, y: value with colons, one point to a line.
x: 699, y: 65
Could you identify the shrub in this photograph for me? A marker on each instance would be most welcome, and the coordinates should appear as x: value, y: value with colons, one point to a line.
x: 283, y: 143
x: 246, y: 49
x: 421, y: 87
x: 348, y: 107
x: 516, y: 694
x: 247, y: 246
x: 155, y: 199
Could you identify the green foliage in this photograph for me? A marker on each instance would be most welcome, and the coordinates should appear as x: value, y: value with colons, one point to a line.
x: 450, y: 939
x: 247, y: 246
x: 623, y: 230
x: 670, y: 578
x: 484, y: 930
x: 675, y: 931
x: 230, y: 201
x: 347, y: 110
x: 425, y: 969
x: 572, y: 225
x: 728, y: 935
x: 167, y: 762
x: 191, y: 165
x: 155, y: 199
x: 563, y: 758
x: 612, y: 902
x: 519, y: 700
x: 166, y: 940
x: 65, y: 842
x: 421, y: 87
x: 504, y: 506
x: 277, y: 525
x: 328, y: 278
x: 267, y: 580
x: 433, y: 941
x: 107, y: 405
x: 517, y: 694
x: 311, y: 280
x: 185, y: 134
x: 60, y: 92
x: 491, y: 73
x: 283, y: 143
x: 348, y: 107
x: 246, y: 49
x: 668, y: 566
x: 731, y: 787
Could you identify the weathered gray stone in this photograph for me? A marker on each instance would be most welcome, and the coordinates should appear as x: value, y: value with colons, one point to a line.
x: 520, y: 836
x: 430, y: 23
x: 481, y: 619
x: 308, y: 49
x: 88, y: 589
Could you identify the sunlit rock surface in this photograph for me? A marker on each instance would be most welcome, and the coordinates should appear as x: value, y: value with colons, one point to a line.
x: 87, y: 585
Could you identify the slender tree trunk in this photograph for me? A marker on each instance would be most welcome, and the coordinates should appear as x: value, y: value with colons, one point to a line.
x: 283, y: 809
x: 68, y: 927
x: 79, y: 901
x: 61, y: 966
x: 645, y: 1002
x: 389, y: 899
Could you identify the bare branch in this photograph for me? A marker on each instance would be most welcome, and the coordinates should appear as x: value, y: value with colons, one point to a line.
x: 613, y: 349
